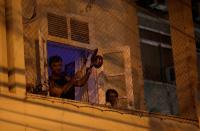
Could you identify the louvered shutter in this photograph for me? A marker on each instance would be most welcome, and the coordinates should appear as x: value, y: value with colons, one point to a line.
x: 57, y: 25
x: 79, y: 31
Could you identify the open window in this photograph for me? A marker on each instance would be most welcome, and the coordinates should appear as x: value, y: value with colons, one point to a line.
x: 116, y: 74
x: 70, y: 37
x: 73, y: 61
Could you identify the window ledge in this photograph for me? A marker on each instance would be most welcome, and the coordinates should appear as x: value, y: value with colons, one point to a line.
x: 64, y: 103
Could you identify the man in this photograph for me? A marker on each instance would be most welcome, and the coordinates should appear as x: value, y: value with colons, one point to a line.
x: 61, y: 85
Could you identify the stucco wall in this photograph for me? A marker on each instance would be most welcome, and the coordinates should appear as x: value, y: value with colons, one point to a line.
x: 41, y: 113
x: 37, y: 113
x: 115, y: 24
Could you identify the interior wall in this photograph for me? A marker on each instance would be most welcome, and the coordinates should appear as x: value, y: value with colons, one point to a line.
x: 67, y: 53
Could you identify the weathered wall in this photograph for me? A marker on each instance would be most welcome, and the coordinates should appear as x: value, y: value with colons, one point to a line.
x: 49, y: 114
x: 3, y: 49
x: 185, y: 57
x: 115, y: 24
x: 41, y: 113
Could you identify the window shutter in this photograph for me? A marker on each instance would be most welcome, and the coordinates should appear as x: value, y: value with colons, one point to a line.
x: 57, y: 25
x: 79, y: 31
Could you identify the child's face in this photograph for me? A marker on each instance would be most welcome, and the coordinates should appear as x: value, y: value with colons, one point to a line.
x: 112, y: 97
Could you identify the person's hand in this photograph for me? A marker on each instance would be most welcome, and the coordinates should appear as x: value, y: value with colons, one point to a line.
x: 78, y: 74
x: 89, y: 71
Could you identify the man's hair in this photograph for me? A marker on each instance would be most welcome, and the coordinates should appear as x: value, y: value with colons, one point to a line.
x: 110, y: 91
x: 54, y: 59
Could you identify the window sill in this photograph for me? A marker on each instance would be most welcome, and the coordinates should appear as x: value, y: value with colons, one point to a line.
x: 66, y: 104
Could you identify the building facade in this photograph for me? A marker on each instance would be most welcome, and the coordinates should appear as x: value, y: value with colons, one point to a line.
x: 150, y: 59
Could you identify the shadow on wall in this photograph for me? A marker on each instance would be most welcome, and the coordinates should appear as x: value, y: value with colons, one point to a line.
x: 10, y: 72
x: 2, y: 10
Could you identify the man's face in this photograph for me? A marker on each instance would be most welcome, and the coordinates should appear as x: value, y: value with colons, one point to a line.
x: 56, y: 67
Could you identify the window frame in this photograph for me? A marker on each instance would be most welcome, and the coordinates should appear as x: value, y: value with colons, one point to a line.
x: 45, y: 37
x: 125, y: 50
x: 91, y: 46
x: 68, y: 41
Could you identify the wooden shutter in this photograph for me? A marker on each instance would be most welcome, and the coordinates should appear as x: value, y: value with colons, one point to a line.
x: 57, y: 25
x: 117, y: 74
x: 79, y: 31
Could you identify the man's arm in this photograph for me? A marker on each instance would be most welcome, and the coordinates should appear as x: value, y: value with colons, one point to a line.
x: 57, y: 91
x: 73, y: 82
x: 84, y: 79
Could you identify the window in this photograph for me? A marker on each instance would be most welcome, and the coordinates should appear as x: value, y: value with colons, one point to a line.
x: 67, y: 27
x: 68, y: 44
x: 156, y: 48
x: 158, y: 65
x: 111, y: 75
x: 155, y: 36
x: 116, y: 75
x: 73, y: 60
